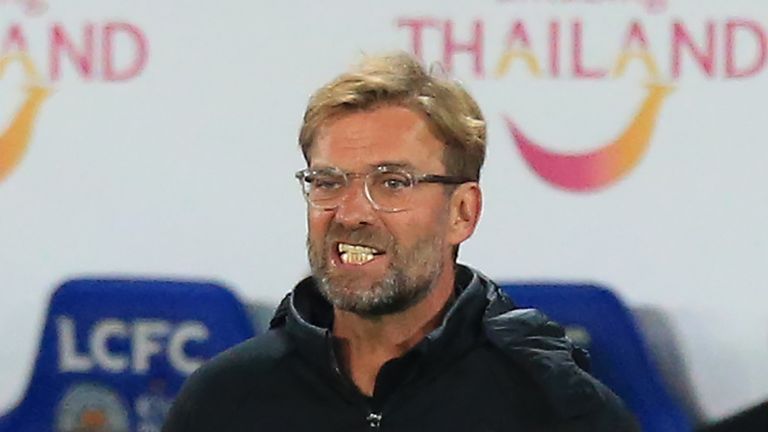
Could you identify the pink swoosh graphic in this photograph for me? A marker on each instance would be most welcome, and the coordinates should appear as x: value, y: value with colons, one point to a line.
x: 599, y: 168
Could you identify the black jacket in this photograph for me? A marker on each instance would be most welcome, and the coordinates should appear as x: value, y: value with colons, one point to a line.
x: 488, y: 368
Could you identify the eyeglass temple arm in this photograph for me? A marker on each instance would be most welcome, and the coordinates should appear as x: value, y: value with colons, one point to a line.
x: 435, y: 178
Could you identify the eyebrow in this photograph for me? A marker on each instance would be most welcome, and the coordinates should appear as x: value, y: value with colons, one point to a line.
x: 383, y: 164
x: 392, y: 164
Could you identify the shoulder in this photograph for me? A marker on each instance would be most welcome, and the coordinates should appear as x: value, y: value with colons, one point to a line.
x: 240, y: 372
x: 539, y: 347
x: 249, y: 359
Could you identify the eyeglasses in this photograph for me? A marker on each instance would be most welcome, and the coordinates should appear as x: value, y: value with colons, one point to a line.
x: 387, y: 188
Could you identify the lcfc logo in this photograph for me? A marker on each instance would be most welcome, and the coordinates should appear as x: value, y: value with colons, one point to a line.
x: 14, y: 140
x: 88, y: 407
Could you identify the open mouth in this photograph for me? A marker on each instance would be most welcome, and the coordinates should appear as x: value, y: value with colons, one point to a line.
x: 356, y: 254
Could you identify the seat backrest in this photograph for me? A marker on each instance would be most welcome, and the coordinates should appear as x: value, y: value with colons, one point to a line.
x: 597, y: 320
x: 114, y: 353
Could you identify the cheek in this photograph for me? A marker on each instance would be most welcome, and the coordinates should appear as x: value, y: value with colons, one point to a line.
x: 409, y: 228
x: 318, y: 222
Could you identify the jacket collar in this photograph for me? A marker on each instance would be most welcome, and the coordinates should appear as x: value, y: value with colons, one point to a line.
x: 481, y: 312
x: 308, y: 318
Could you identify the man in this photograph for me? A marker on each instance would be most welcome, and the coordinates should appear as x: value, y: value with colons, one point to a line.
x: 389, y: 333
x: 753, y: 419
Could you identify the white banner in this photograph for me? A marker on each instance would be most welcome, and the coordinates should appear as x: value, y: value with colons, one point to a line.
x: 626, y: 147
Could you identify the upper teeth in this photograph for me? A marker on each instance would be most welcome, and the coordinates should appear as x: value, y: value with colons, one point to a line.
x: 344, y: 247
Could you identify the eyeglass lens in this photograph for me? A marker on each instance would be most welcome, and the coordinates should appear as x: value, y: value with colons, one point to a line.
x: 388, y: 190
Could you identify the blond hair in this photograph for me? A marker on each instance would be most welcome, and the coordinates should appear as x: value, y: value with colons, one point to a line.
x: 398, y: 79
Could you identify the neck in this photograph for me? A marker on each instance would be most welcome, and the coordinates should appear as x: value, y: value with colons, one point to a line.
x: 365, y: 343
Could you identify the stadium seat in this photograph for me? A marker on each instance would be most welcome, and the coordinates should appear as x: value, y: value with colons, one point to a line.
x: 596, y: 319
x: 114, y: 353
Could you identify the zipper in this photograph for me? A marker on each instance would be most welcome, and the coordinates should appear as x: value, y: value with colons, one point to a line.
x: 374, y: 417
x: 374, y: 420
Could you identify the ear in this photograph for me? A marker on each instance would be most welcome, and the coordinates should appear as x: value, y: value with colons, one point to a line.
x: 465, y: 207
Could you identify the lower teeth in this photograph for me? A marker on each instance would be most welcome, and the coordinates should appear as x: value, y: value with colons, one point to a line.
x: 356, y: 258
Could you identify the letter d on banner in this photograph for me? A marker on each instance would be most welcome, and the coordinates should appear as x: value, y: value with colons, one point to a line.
x: 129, y: 32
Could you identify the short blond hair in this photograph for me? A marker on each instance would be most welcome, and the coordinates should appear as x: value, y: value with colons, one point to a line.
x: 399, y: 79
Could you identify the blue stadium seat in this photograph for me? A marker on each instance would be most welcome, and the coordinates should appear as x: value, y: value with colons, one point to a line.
x: 114, y: 353
x: 597, y: 320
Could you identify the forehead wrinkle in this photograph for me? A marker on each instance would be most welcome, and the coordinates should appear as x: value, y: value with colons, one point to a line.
x: 416, y: 131
x: 360, y: 135
x: 391, y: 164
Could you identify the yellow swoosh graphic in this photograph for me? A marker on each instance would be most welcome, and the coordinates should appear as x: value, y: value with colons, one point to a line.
x: 601, y: 167
x: 15, y: 140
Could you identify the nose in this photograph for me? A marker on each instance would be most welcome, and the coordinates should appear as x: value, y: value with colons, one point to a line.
x: 355, y: 208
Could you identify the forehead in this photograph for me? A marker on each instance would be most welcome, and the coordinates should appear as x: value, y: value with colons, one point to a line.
x: 359, y: 140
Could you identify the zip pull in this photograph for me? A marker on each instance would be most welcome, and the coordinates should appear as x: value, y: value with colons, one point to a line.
x: 374, y: 420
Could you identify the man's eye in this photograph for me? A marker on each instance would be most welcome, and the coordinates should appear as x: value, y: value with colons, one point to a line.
x: 324, y: 183
x: 396, y: 183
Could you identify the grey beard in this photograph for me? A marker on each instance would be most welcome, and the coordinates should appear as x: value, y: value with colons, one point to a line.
x: 396, y: 292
